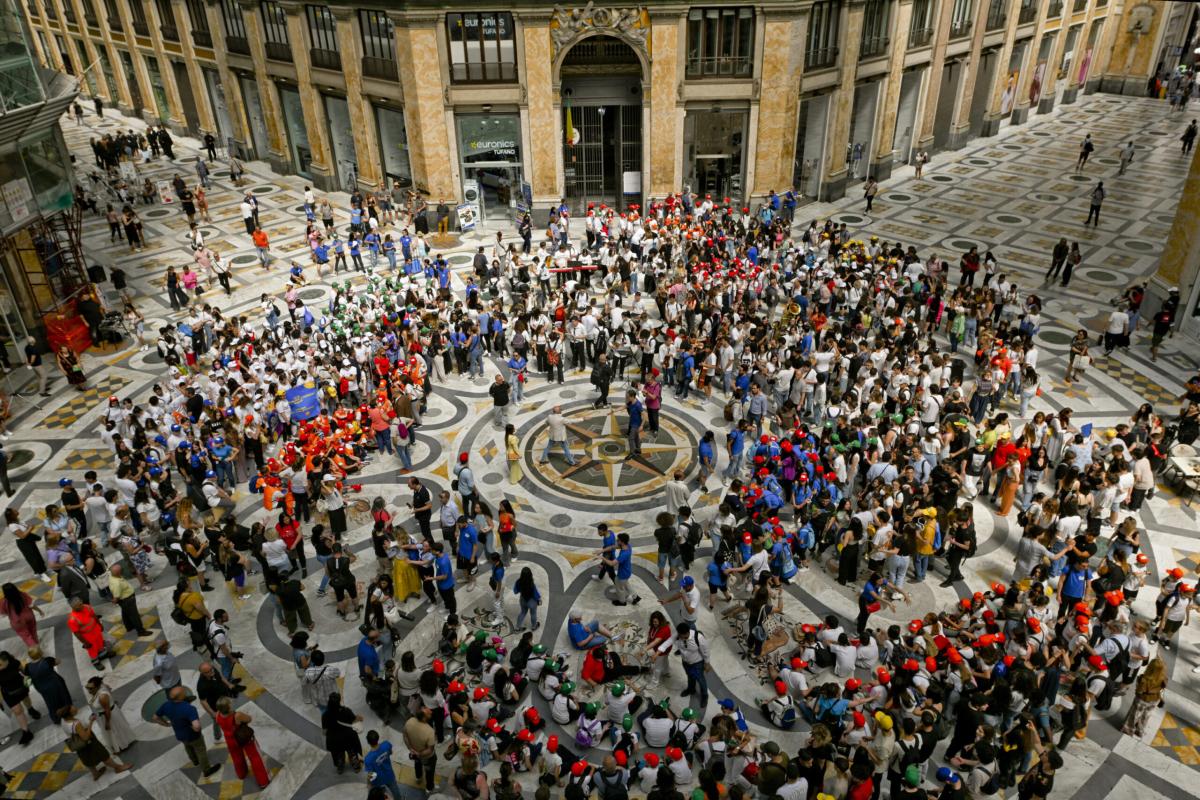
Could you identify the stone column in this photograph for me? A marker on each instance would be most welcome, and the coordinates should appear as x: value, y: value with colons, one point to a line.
x: 139, y: 65
x: 991, y: 116
x: 933, y: 81
x: 841, y: 102
x: 960, y: 126
x: 124, y: 98
x: 366, y: 141
x: 204, y: 109
x: 665, y: 135
x: 782, y: 60
x: 1102, y: 52
x: 1131, y: 56
x: 1180, y: 263
x: 89, y: 48
x: 1021, y: 105
x: 177, y: 119
x: 1050, y: 82
x: 278, y: 156
x: 425, y: 104
x: 320, y: 166
x: 539, y: 97
x: 51, y: 55
x: 885, y: 122
x: 235, y: 104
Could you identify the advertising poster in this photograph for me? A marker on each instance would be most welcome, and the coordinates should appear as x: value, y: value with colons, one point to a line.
x: 166, y: 193
x: 1083, y: 66
x: 1035, y: 86
x: 468, y: 216
x: 1010, y: 93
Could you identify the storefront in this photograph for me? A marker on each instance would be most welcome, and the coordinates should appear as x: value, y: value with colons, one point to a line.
x: 255, y: 117
x: 109, y: 78
x: 341, y: 141
x: 393, y: 145
x: 156, y: 86
x: 216, y: 99
x: 135, y: 87
x: 297, y: 132
x: 807, y: 168
x: 860, y: 150
x: 489, y: 147
x: 906, y: 114
x: 714, y: 152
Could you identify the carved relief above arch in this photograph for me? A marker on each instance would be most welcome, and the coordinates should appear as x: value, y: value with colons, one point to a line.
x: 569, y: 26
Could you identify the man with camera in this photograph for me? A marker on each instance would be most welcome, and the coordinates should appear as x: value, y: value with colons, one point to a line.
x: 222, y: 648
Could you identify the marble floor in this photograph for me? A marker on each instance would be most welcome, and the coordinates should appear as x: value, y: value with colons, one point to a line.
x: 1014, y: 194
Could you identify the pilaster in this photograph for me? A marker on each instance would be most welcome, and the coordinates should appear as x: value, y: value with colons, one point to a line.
x: 278, y: 157
x: 960, y: 126
x: 1131, y: 56
x: 779, y: 100
x: 204, y: 109
x: 539, y: 93
x: 235, y: 104
x: 842, y: 103
x: 320, y: 165
x: 140, y: 73
x: 1050, y: 83
x: 366, y: 142
x: 666, y: 112
x: 1020, y: 112
x: 885, y: 125
x: 425, y: 107
x: 933, y: 81
x: 54, y: 56
x: 991, y: 115
x: 89, y: 47
x: 1102, y: 53
x: 176, y: 119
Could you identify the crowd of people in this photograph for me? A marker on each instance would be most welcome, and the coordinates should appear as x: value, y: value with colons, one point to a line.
x: 879, y: 401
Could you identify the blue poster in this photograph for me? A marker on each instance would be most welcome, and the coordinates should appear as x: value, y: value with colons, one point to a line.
x: 305, y: 402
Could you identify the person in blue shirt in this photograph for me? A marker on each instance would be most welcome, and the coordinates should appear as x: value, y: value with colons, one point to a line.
x: 586, y: 635
x: 181, y: 716
x: 633, y: 407
x: 221, y: 455
x: 687, y: 367
x: 378, y: 763
x: 873, y: 595
x: 608, y: 546
x: 736, y: 445
x: 356, y: 252
x: 529, y: 597
x: 371, y: 240
x: 517, y: 365
x: 443, y: 577
x: 356, y: 216
x: 406, y: 245
x: 707, y: 456
x: 783, y: 564
x: 368, y: 655
x: 339, y: 255
x: 389, y: 252
x: 622, y: 562
x: 717, y: 582
x: 468, y: 538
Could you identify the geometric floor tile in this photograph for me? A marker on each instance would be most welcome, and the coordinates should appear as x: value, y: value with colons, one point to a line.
x: 1179, y: 741
x: 88, y: 458
x: 82, y: 402
x: 129, y: 646
x: 224, y: 785
x: 48, y: 773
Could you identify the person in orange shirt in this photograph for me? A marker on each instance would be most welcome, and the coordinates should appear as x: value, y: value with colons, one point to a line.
x: 381, y: 427
x: 263, y: 245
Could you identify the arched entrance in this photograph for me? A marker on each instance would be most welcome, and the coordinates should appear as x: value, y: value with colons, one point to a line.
x: 600, y: 83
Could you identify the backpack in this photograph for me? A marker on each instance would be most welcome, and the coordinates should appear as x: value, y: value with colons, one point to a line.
x: 611, y: 790
x: 728, y: 413
x: 504, y: 791
x: 574, y: 789
x: 992, y: 784
x: 1104, y: 700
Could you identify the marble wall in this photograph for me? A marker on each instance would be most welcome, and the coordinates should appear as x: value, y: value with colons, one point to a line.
x: 539, y: 87
x: 665, y: 116
x: 779, y: 97
x: 425, y: 112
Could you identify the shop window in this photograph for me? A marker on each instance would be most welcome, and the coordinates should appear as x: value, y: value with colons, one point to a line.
x: 482, y: 47
x: 720, y: 42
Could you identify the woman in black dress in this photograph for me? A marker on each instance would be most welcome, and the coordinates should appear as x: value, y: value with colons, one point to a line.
x: 16, y: 694
x: 40, y: 669
x: 341, y: 736
x: 27, y: 542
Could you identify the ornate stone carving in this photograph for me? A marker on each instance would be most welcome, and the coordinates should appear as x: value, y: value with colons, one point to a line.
x: 631, y: 25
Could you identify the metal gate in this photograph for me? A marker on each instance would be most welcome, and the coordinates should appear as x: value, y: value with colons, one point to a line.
x: 608, y: 144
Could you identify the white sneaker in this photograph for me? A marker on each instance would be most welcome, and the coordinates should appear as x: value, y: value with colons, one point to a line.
x: 1196, y: 669
x: 44, y: 578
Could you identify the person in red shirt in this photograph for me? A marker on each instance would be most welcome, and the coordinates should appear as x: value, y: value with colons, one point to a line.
x: 289, y: 533
x: 862, y: 783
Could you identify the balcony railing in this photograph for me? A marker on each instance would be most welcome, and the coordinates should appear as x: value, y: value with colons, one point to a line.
x: 736, y: 66
x: 91, y: 21
x: 1027, y: 14
x: 202, y: 38
x: 920, y: 37
x: 114, y: 24
x: 960, y: 29
x: 169, y: 32
x: 873, y: 46
x: 1078, y: 6
x: 237, y: 44
x: 141, y: 28
x: 278, y: 52
x: 383, y: 68
x: 1055, y: 9
x: 324, y: 59
x: 821, y: 57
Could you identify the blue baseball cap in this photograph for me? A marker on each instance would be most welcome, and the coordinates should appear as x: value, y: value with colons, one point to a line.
x: 726, y: 703
x: 64, y: 482
x: 687, y: 582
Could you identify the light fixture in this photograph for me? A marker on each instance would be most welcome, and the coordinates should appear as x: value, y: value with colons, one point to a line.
x: 487, y: 108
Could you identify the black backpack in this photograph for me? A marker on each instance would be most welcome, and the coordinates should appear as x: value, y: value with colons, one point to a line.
x: 992, y: 784
x: 614, y: 789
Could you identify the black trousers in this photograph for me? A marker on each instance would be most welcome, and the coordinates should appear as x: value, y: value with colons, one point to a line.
x: 448, y: 600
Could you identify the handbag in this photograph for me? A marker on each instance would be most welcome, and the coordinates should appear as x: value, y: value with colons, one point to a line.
x: 322, y: 505
x: 243, y: 734
x: 873, y: 607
